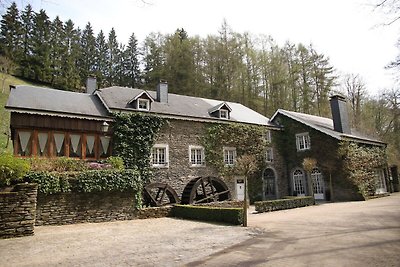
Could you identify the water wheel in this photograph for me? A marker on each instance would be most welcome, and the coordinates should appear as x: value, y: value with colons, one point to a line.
x: 205, y: 190
x: 159, y: 194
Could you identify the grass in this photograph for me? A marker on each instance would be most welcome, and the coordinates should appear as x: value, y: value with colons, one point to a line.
x: 4, y: 114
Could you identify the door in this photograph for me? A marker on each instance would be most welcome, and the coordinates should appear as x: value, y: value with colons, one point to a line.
x: 240, y: 189
x: 318, y: 184
x: 269, y: 184
x: 299, y: 183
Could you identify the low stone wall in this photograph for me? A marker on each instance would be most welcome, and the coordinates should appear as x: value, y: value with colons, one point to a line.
x: 70, y: 208
x: 17, y: 211
x: 223, y: 204
x: 283, y: 204
x: 159, y: 212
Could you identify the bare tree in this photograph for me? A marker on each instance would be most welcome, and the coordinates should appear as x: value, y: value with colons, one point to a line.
x: 355, y: 89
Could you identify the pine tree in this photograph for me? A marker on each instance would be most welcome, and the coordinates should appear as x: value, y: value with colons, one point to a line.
x: 57, y: 52
x: 101, y: 59
x: 87, y: 61
x: 112, y: 58
x: 40, y: 60
x: 132, y: 74
x: 26, y: 42
x: 154, y: 60
x: 10, y: 33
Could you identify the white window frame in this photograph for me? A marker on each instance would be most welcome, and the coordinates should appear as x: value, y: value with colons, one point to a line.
x: 228, y: 152
x: 147, y: 101
x: 269, y: 155
x: 202, y: 155
x: 224, y: 111
x: 268, y: 136
x: 303, y: 141
x: 166, y: 163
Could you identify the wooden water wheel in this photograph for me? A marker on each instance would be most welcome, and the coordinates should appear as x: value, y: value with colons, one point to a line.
x: 159, y: 194
x: 205, y: 190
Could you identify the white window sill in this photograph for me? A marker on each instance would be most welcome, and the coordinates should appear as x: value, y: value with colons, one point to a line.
x: 160, y: 166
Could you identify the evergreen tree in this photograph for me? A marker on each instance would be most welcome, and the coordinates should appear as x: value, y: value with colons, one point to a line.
x: 57, y: 52
x: 154, y: 59
x: 112, y: 58
x: 87, y: 61
x: 26, y: 42
x: 10, y: 33
x: 132, y: 74
x: 40, y: 59
x: 101, y: 59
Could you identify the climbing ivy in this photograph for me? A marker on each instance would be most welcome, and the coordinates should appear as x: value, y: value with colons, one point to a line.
x: 360, y: 163
x: 133, y: 138
x: 247, y: 139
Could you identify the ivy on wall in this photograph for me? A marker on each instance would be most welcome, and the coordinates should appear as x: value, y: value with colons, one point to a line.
x: 247, y: 139
x: 133, y: 139
x: 360, y: 163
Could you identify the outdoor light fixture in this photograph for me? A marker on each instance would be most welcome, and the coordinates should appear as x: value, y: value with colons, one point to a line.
x: 104, y: 127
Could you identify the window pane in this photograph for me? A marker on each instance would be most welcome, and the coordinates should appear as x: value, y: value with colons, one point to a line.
x: 59, y: 141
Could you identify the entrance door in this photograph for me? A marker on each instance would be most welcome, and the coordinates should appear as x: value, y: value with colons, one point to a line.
x: 299, y: 183
x: 240, y: 189
x: 318, y: 184
x: 269, y: 184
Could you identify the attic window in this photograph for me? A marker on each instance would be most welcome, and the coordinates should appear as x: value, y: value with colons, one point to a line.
x: 223, y: 114
x: 143, y: 104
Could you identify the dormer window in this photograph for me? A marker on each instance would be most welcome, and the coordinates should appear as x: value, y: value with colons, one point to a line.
x: 141, y: 101
x: 143, y: 104
x: 221, y: 111
x: 223, y: 114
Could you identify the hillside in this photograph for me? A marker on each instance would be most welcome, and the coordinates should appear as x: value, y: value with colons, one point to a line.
x: 5, y: 115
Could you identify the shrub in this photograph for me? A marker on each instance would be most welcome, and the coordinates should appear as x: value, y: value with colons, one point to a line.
x: 49, y: 183
x: 12, y: 170
x: 61, y: 164
x: 283, y: 204
x: 116, y: 163
x: 214, y: 214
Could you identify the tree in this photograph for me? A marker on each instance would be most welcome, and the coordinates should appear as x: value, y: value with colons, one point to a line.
x: 10, y: 33
x: 87, y: 60
x: 6, y: 67
x: 57, y: 36
x: 132, y: 64
x: 154, y: 60
x: 101, y: 59
x: 112, y: 58
x: 356, y: 92
x: 26, y: 42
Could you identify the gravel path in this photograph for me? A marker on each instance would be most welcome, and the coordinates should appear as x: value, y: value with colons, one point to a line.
x: 161, y: 242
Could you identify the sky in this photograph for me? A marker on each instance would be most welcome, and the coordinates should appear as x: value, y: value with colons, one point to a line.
x: 349, y: 32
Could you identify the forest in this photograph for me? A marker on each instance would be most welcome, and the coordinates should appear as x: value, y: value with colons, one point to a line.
x: 241, y: 67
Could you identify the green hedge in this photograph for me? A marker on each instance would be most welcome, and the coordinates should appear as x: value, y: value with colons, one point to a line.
x: 283, y: 204
x: 12, y: 170
x: 214, y: 214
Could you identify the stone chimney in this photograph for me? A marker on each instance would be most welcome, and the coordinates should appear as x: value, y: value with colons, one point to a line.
x: 339, y: 114
x: 91, y: 85
x: 162, y: 92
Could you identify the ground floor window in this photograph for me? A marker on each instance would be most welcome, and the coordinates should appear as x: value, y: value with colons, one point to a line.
x: 299, y: 182
x: 61, y: 144
x: 159, y: 155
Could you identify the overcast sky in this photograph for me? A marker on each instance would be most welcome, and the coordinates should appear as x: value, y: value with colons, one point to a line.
x: 346, y: 31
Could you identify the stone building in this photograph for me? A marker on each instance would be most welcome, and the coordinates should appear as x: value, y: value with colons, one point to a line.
x: 51, y: 123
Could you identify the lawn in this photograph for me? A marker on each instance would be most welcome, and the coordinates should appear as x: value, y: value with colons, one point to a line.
x: 4, y: 114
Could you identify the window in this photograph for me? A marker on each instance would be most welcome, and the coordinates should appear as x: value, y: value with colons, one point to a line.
x: 143, y: 104
x: 223, y: 114
x: 75, y: 145
x: 229, y: 156
x: 59, y: 140
x: 299, y: 183
x: 380, y: 181
x: 268, y: 137
x: 269, y: 183
x: 104, y: 146
x: 196, y: 155
x: 91, y: 146
x: 269, y: 155
x: 303, y: 141
x: 24, y: 142
x: 159, y: 155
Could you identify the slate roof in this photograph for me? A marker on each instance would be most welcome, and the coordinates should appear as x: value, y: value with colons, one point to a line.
x: 47, y: 101
x: 325, y: 125
x: 184, y: 107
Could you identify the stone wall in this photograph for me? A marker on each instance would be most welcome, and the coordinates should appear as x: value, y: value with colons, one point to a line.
x: 17, y: 211
x: 179, y: 135
x: 69, y: 208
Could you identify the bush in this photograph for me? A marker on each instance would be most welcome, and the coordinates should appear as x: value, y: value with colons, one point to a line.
x: 116, y: 163
x: 49, y: 183
x: 214, y: 214
x: 12, y: 170
x: 61, y: 164
x: 283, y: 204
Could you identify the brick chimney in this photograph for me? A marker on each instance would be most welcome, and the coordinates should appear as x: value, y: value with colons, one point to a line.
x: 339, y: 114
x: 91, y: 85
x: 162, y: 92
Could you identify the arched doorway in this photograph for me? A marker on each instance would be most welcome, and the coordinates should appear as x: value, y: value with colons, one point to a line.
x: 299, y: 183
x: 269, y: 184
x: 318, y: 184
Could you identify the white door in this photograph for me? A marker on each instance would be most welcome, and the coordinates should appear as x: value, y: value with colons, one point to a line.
x: 240, y: 189
x: 380, y: 182
x: 318, y: 184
